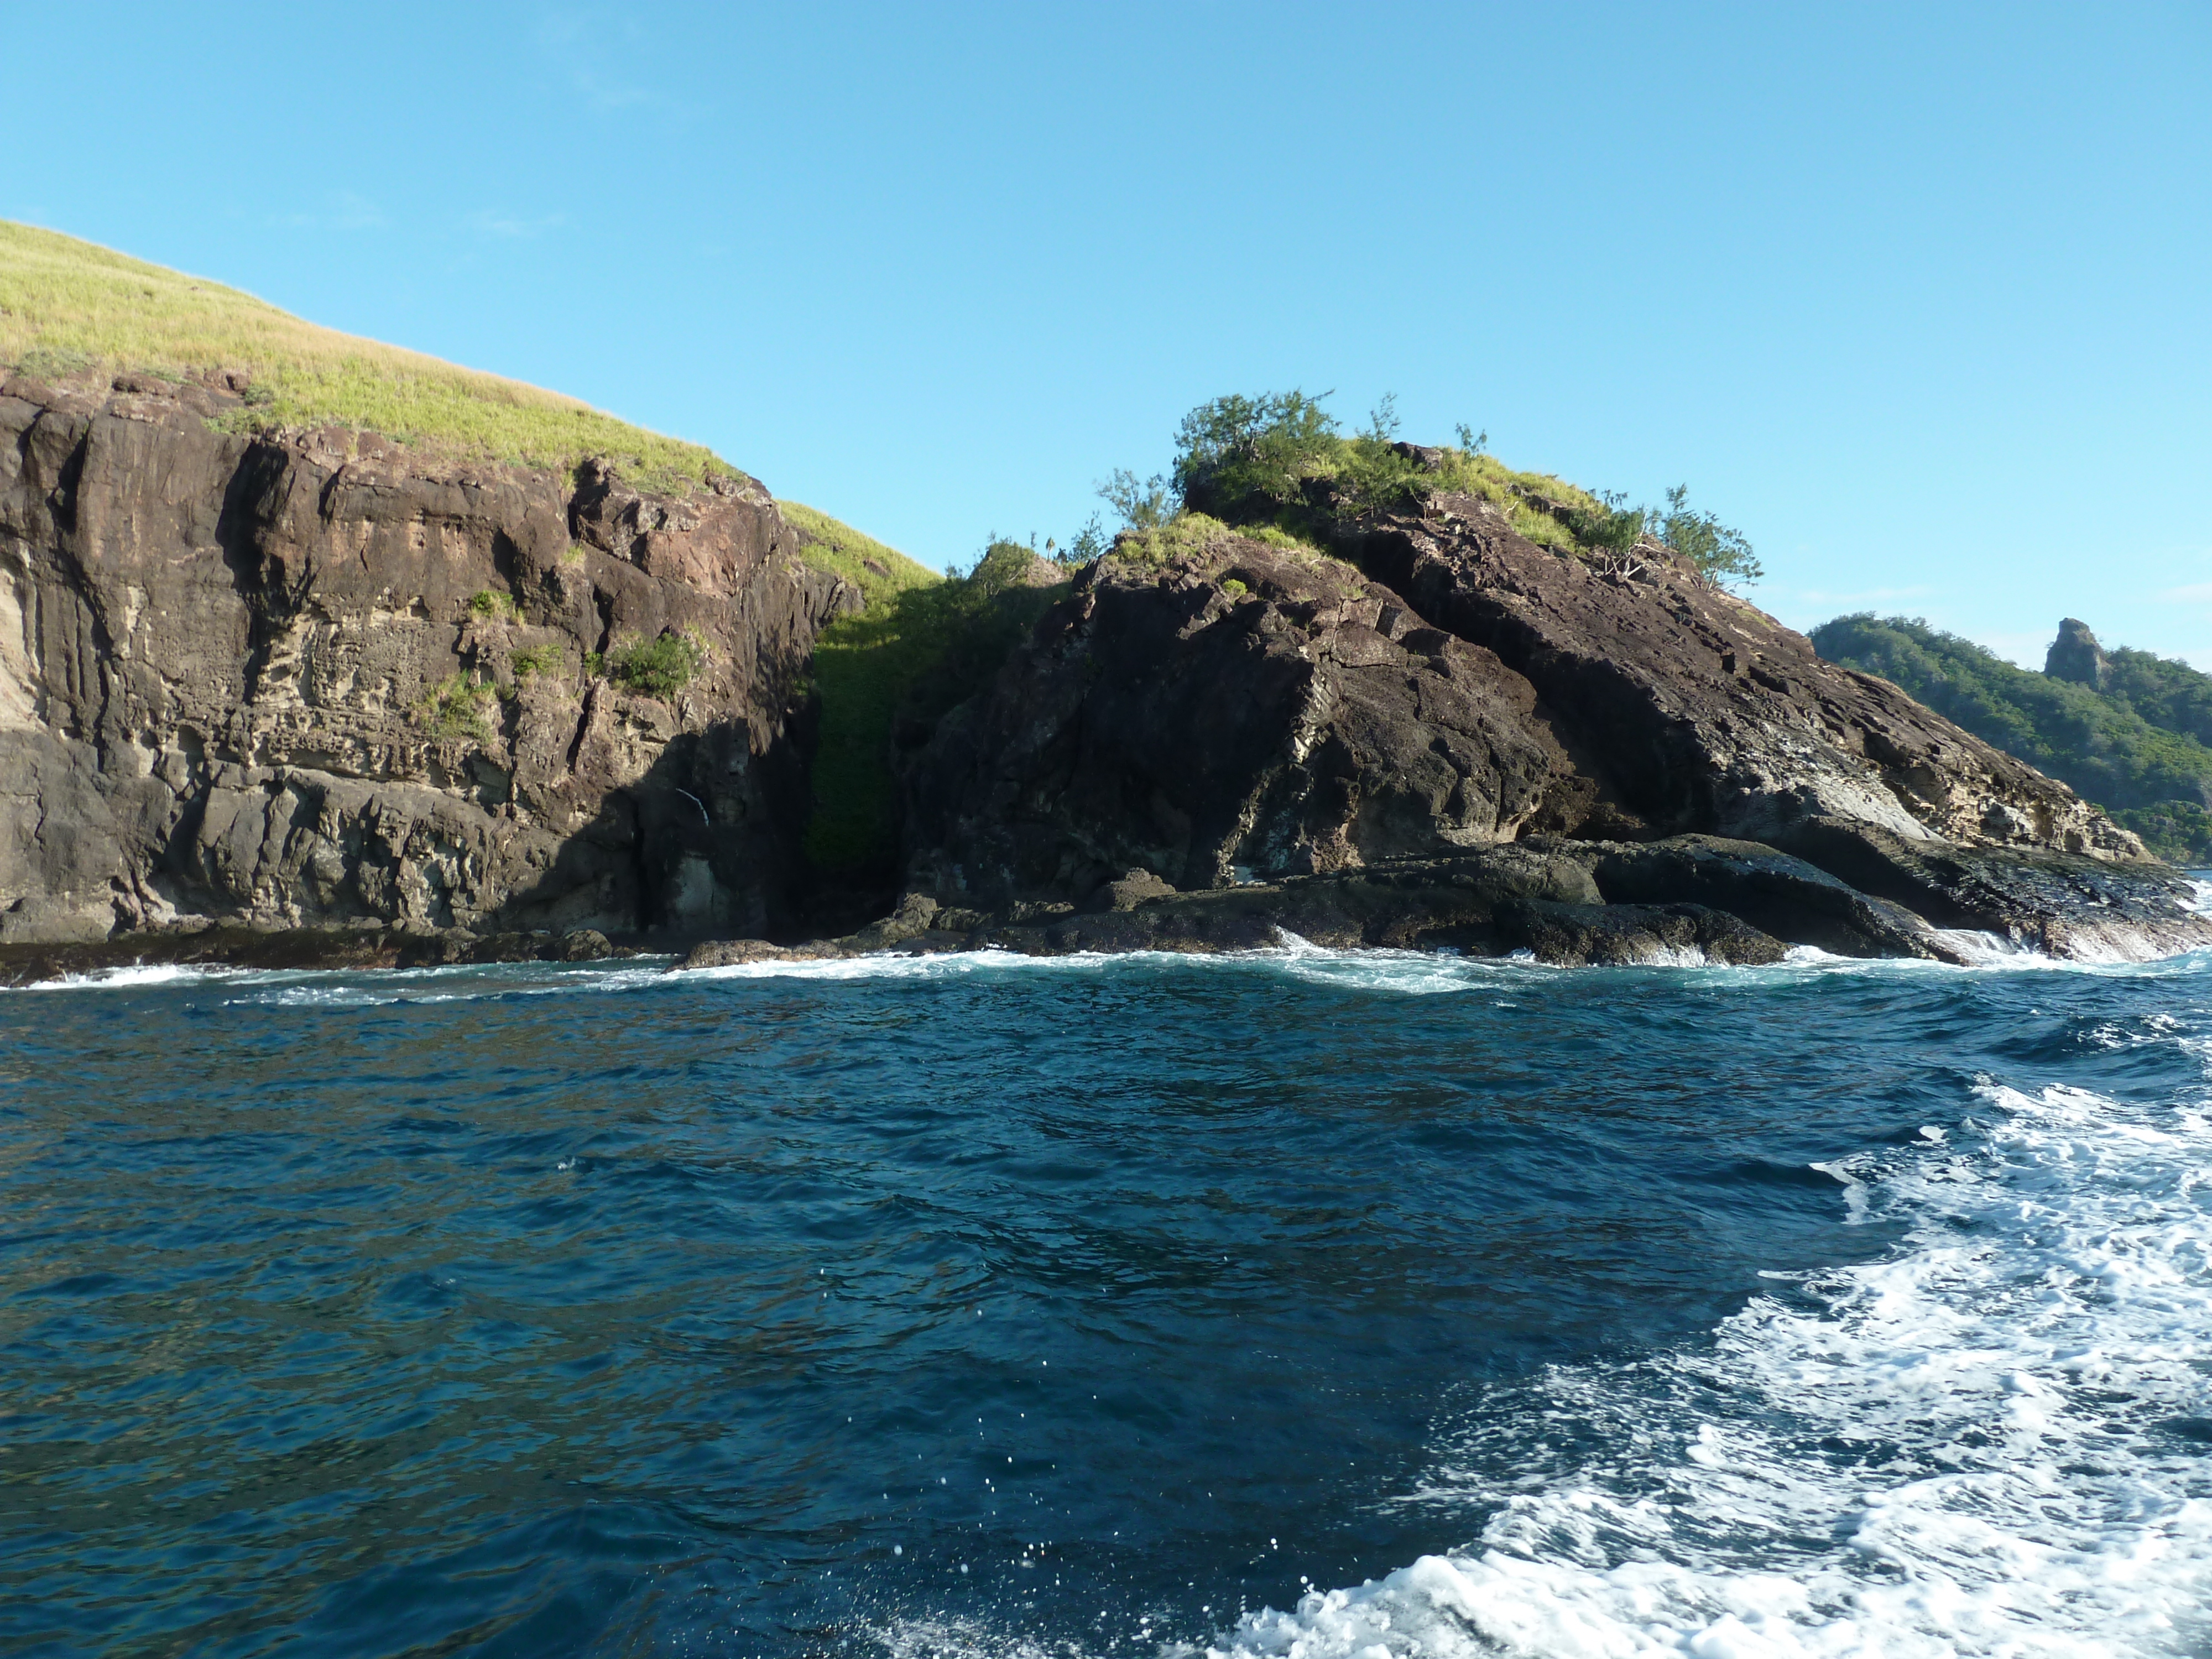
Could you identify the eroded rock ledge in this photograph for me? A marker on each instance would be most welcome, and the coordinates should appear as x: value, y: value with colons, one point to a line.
x: 1572, y: 903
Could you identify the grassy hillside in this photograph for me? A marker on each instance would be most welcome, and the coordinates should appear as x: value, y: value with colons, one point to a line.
x: 2151, y: 777
x: 882, y: 572
x: 66, y: 306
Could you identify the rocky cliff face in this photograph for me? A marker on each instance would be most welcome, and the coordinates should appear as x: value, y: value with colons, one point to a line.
x: 313, y: 680
x: 1392, y: 720
x: 1692, y: 710
x: 1247, y: 712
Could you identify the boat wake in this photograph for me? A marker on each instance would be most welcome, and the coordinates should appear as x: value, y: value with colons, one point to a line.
x: 1993, y: 1443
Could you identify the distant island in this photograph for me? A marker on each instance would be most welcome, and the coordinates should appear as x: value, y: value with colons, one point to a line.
x: 2128, y: 731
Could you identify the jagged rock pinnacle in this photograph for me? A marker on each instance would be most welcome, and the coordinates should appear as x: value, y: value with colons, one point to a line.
x: 2076, y: 655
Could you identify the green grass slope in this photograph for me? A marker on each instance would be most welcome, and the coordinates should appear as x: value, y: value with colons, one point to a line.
x: 2151, y: 776
x: 68, y: 305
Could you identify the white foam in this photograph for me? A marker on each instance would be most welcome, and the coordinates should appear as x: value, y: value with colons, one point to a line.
x: 134, y: 976
x: 1959, y: 1449
x: 1412, y: 972
x: 427, y: 986
x: 1419, y: 973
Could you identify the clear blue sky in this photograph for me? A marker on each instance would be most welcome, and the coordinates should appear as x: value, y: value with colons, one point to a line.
x: 1920, y: 297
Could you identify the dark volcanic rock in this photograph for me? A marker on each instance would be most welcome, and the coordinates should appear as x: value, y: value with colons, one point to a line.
x: 310, y: 680
x: 2060, y: 904
x: 1574, y: 935
x: 1693, y: 711
x: 1248, y: 714
x: 351, y: 706
x: 1785, y: 897
x: 1454, y: 901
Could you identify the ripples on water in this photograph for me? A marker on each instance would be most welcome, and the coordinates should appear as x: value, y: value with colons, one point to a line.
x: 995, y: 1307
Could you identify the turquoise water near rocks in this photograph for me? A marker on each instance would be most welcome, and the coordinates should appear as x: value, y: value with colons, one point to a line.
x: 1301, y: 1304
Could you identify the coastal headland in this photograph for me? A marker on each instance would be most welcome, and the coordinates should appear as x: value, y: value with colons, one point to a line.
x: 282, y: 688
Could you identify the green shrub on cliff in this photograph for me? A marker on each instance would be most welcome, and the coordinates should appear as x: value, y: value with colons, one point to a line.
x: 535, y: 659
x: 2156, y: 781
x: 1720, y: 554
x: 888, y: 675
x: 1281, y: 460
x: 458, y: 707
x: 1144, y: 505
x: 657, y: 667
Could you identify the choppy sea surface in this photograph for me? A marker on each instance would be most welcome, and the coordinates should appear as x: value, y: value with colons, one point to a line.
x: 1317, y: 1305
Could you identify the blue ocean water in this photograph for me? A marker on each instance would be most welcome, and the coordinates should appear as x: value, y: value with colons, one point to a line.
x: 1331, y: 1306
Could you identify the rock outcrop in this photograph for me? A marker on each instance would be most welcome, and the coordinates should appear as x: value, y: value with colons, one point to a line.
x: 1330, y: 742
x: 1246, y: 715
x: 314, y: 680
x: 2076, y: 655
x: 1692, y: 710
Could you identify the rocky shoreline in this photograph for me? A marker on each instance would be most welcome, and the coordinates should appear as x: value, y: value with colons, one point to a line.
x: 1688, y: 899
x: 295, y: 949
x: 1574, y: 903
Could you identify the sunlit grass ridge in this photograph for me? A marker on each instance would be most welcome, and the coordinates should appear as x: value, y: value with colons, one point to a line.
x: 67, y: 305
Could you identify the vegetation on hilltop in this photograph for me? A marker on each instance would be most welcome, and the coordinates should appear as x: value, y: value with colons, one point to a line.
x: 2166, y: 693
x: 67, y: 307
x: 1275, y: 467
x: 1280, y: 462
x: 2154, y: 777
